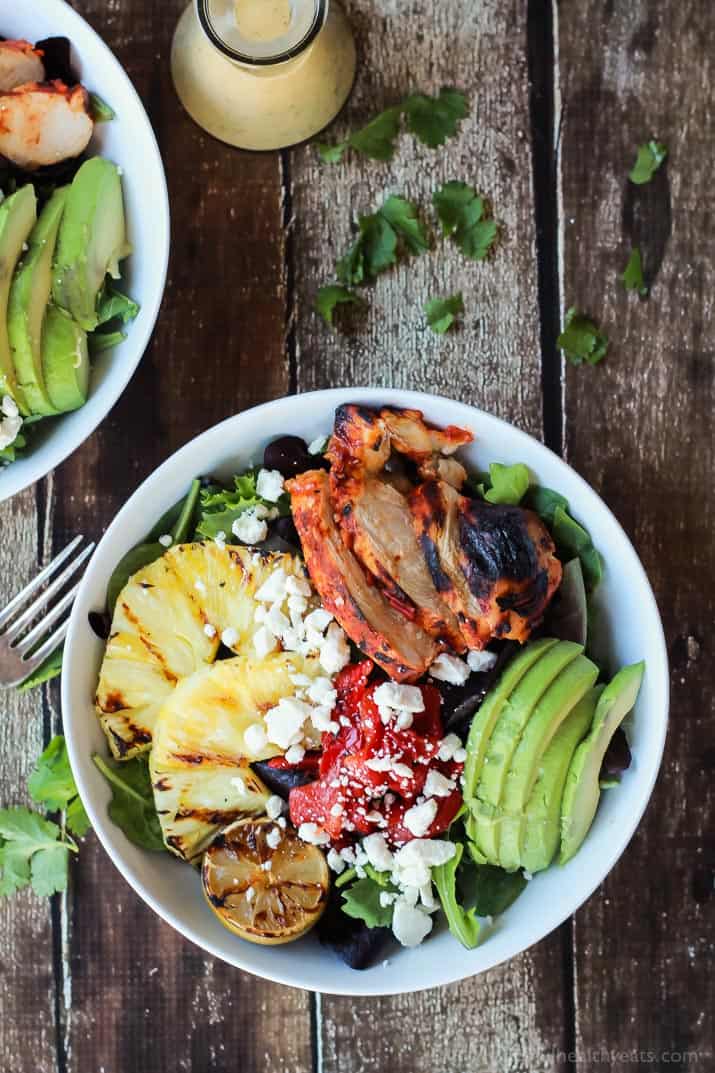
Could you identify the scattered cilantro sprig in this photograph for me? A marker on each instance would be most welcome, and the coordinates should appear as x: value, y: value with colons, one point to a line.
x: 441, y: 313
x: 431, y: 119
x: 51, y: 784
x: 632, y: 275
x: 649, y: 158
x: 331, y: 296
x: 462, y: 214
x: 581, y: 340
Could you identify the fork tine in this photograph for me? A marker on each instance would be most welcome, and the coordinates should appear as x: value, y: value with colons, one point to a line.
x: 48, y: 647
x: 27, y: 616
x: 43, y: 626
x: 18, y: 600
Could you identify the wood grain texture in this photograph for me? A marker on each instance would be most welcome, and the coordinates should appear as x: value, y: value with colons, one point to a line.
x: 639, y: 427
x: 27, y: 996
x: 143, y: 998
x: 512, y: 1017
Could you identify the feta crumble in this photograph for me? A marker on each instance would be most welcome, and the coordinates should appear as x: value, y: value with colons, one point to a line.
x: 419, y: 818
x: 273, y: 838
x: 449, y: 668
x: 318, y: 445
x: 166, y: 540
x: 274, y: 806
x: 255, y: 738
x: 335, y: 861
x: 438, y: 785
x: 269, y: 485
x: 210, y: 631
x: 378, y: 852
x: 310, y: 832
x: 410, y: 925
x: 481, y: 661
x: 229, y: 637
x: 295, y: 754
x: 402, y: 698
x: 264, y: 642
x: 249, y: 528
x: 285, y: 722
x: 448, y: 747
x: 335, y: 651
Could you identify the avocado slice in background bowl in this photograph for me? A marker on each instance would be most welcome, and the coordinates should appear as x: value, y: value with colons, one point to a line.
x: 29, y: 296
x: 18, y: 214
x: 92, y: 240
x: 65, y: 360
x: 582, y: 790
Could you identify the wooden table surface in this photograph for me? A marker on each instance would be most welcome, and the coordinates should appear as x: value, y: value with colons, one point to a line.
x: 560, y: 97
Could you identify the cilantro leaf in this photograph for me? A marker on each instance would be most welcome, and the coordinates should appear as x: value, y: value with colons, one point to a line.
x: 32, y: 852
x: 375, y: 140
x: 51, y: 783
x: 435, y: 119
x: 461, y: 213
x: 374, y: 250
x: 76, y: 818
x: 509, y: 484
x: 650, y: 157
x: 50, y: 668
x: 331, y: 296
x: 581, y: 340
x: 132, y: 805
x: 441, y: 312
x: 402, y: 216
x: 495, y: 889
x: 633, y: 274
x: 361, y: 901
x: 462, y: 922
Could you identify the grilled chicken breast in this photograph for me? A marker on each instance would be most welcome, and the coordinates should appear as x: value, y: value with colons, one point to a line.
x: 19, y: 63
x: 399, y: 645
x: 495, y: 566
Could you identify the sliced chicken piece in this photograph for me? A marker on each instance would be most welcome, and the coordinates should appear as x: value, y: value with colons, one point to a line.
x: 19, y: 63
x: 494, y: 565
x: 374, y: 518
x: 44, y: 123
x: 412, y: 436
x: 399, y: 646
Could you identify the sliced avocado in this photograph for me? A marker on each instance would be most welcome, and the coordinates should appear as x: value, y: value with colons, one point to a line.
x: 92, y: 240
x: 65, y: 360
x: 542, y: 816
x: 29, y: 295
x: 507, y: 734
x: 491, y: 707
x: 17, y: 219
x: 560, y: 698
x: 582, y: 790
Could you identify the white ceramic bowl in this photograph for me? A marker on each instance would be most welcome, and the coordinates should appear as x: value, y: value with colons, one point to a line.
x: 129, y: 141
x: 631, y: 630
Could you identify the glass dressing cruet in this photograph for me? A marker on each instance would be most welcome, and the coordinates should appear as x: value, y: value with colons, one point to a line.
x: 263, y: 74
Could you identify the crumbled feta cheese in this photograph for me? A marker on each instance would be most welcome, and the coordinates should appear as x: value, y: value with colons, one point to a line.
x: 300, y: 679
x: 415, y: 859
x: 481, y: 661
x: 318, y: 620
x: 335, y: 651
x: 320, y: 718
x: 448, y: 746
x: 210, y: 630
x: 298, y: 586
x: 387, y: 898
x: 285, y: 722
x: 449, y: 668
x: 403, y: 698
x: 269, y: 485
x: 438, y: 785
x: 274, y: 806
x: 250, y: 894
x: 460, y: 755
x: 310, y: 832
x: 267, y: 865
x: 403, y: 771
x: 297, y: 605
x: 321, y: 692
x: 166, y: 540
x: 229, y: 637
x: 318, y: 445
x: 348, y: 854
x: 199, y: 586
x: 276, y: 621
x: 527, y: 875
x: 240, y: 785
x: 410, y: 925
x: 378, y: 852
x: 249, y: 528
x: 337, y: 809
x: 273, y: 838
x: 273, y: 589
x: 282, y: 823
x: 255, y: 738
x: 427, y: 898
x: 404, y: 720
x: 419, y: 818
x: 335, y: 861
x: 295, y: 754
x: 9, y: 407
x: 220, y: 540
x: 263, y: 642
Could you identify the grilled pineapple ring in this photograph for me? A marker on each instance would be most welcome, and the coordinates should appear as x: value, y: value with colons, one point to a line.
x: 200, y: 760
x: 167, y: 624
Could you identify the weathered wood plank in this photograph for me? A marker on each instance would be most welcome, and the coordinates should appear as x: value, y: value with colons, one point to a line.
x: 512, y: 1017
x: 27, y: 994
x: 142, y: 997
x: 640, y: 428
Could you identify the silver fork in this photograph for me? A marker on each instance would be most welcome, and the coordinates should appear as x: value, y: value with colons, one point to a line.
x: 23, y: 646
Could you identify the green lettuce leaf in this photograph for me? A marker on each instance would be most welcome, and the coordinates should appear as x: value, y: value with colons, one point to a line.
x: 462, y: 922
x: 509, y: 484
x: 132, y: 805
x: 50, y: 668
x: 361, y: 899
